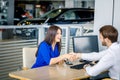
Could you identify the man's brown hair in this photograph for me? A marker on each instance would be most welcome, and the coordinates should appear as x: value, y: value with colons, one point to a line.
x: 110, y: 32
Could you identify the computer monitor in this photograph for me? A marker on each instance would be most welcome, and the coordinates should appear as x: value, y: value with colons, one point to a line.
x: 85, y: 44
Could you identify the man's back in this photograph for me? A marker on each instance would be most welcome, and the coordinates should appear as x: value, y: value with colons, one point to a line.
x: 109, y: 59
x: 115, y: 69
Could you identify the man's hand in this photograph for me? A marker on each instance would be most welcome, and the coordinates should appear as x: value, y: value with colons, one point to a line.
x: 72, y: 56
x: 75, y: 55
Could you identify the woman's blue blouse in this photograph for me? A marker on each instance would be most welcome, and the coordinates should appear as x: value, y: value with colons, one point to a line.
x: 45, y: 53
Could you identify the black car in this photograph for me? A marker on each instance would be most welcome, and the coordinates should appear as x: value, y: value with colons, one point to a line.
x: 62, y: 16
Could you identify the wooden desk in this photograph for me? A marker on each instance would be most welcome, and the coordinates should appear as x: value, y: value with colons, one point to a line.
x: 54, y: 72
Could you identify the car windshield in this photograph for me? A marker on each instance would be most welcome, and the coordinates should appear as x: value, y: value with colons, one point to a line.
x: 51, y: 14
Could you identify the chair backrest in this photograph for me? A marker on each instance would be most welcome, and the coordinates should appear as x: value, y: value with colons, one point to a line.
x: 28, y: 57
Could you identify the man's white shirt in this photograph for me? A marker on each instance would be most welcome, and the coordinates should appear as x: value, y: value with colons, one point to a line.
x: 109, y: 60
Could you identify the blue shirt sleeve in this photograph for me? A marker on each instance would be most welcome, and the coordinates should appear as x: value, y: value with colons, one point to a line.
x: 44, y: 52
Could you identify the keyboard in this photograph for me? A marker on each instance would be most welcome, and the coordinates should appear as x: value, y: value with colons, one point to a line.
x: 80, y: 66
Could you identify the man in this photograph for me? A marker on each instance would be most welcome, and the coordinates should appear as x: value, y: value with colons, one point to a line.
x: 109, y: 59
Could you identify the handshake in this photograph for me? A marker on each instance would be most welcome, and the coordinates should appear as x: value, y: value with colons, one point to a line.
x: 72, y: 56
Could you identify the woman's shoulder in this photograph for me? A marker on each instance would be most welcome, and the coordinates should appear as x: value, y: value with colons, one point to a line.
x: 44, y: 43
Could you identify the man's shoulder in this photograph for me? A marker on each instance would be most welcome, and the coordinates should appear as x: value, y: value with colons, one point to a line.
x: 116, y: 45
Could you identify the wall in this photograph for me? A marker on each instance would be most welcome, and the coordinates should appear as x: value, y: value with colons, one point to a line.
x: 10, y: 12
x: 103, y: 15
x: 79, y: 3
x: 0, y: 34
x: 69, y: 3
x: 116, y: 19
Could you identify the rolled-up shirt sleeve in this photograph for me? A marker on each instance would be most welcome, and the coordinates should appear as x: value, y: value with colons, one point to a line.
x: 94, y: 56
x: 104, y: 64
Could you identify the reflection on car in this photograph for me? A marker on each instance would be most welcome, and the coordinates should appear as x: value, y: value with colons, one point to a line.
x: 62, y: 16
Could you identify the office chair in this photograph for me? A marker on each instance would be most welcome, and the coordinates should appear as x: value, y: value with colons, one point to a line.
x: 28, y: 57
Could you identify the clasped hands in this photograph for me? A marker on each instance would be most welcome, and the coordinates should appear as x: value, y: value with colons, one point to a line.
x: 72, y: 56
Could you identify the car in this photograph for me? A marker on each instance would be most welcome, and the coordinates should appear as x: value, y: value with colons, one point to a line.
x: 62, y: 16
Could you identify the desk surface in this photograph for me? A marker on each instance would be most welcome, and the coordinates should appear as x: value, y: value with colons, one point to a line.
x: 54, y: 72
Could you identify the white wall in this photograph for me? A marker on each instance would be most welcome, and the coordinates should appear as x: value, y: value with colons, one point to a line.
x: 103, y: 15
x: 116, y: 22
x: 69, y: 3
x: 0, y: 35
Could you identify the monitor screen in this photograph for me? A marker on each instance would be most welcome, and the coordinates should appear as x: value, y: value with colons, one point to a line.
x: 85, y: 44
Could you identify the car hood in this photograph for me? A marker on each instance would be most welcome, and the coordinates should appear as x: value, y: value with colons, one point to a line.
x: 32, y: 21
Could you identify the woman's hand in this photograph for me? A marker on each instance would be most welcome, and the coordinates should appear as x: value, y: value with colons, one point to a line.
x: 70, y: 57
x: 76, y: 55
x: 61, y: 62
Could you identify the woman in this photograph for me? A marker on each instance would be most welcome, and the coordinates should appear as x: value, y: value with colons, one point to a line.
x: 49, y: 50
